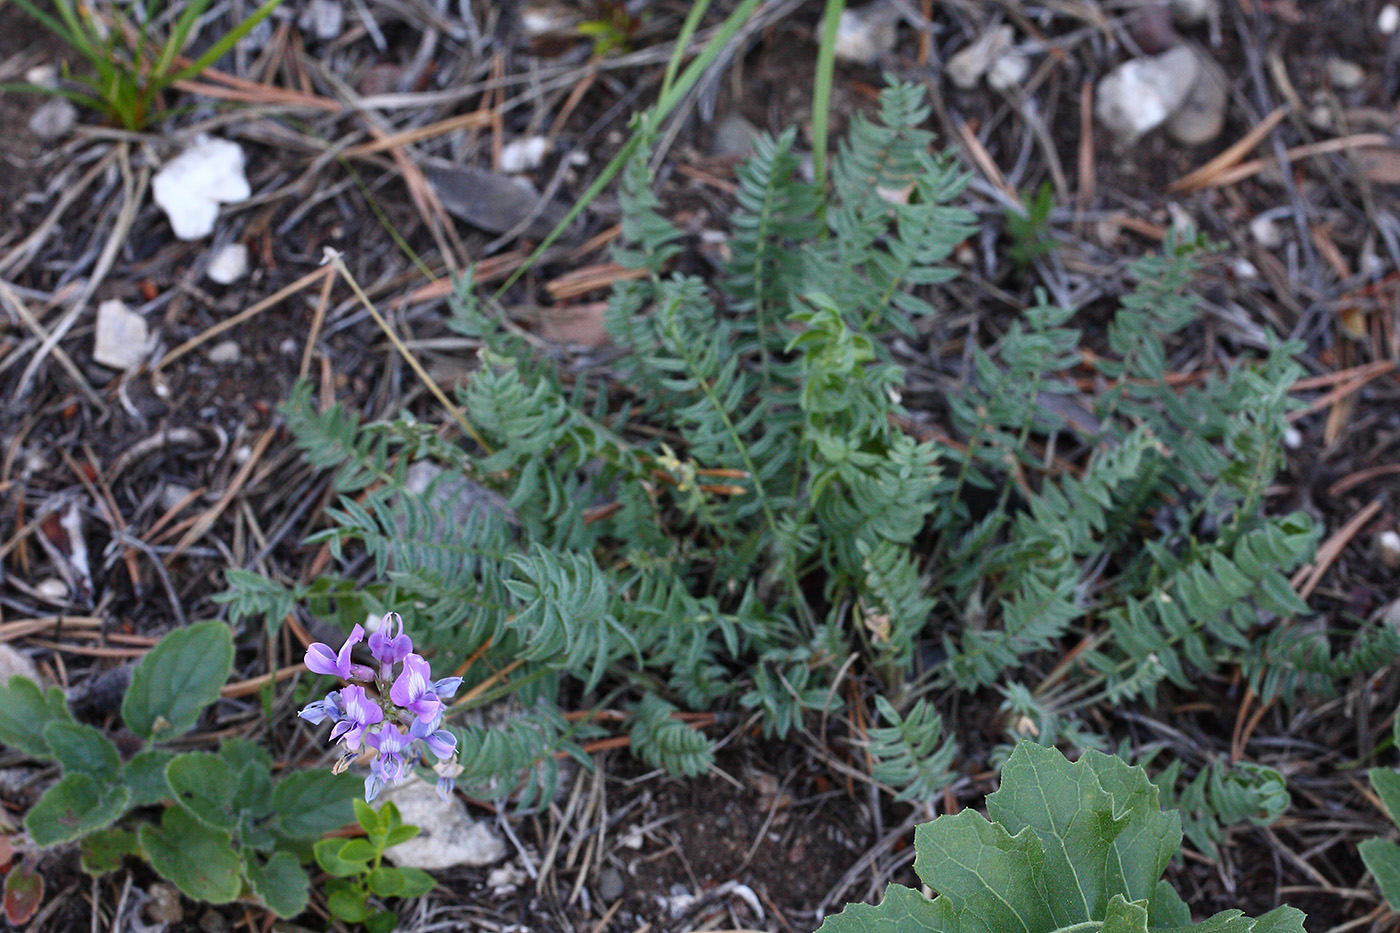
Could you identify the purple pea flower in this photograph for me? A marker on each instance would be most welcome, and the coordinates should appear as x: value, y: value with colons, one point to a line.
x: 329, y: 708
x: 322, y: 660
x: 413, y: 692
x: 440, y: 742
x: 360, y: 712
x: 389, y: 650
x: 446, y: 687
x: 388, y: 768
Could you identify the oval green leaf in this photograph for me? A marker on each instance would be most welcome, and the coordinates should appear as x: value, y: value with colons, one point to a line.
x: 177, y: 679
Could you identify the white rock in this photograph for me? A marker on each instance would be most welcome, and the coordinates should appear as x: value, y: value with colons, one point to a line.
x: 1191, y: 12
x: 229, y: 264
x: 1201, y: 117
x: 966, y: 67
x: 53, y: 118
x: 225, y: 351
x: 1389, y: 20
x: 1244, y: 269
x: 53, y: 589
x: 42, y: 75
x: 1265, y: 232
x: 1139, y: 95
x: 1344, y: 74
x: 733, y: 136
x: 863, y: 35
x: 1292, y: 438
x: 1008, y: 71
x: 324, y: 18
x: 14, y: 664
x: 521, y: 155
x: 122, y: 336
x: 450, y: 837
x: 1388, y: 549
x: 191, y: 186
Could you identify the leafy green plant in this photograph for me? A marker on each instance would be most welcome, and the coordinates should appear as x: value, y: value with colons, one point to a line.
x: 359, y: 873
x: 1030, y: 230
x: 741, y: 507
x: 1382, y: 856
x: 1222, y: 794
x: 1068, y: 847
x: 130, y: 68
x: 225, y: 829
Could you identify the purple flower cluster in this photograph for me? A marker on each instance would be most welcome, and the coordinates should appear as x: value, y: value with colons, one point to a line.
x: 401, y: 713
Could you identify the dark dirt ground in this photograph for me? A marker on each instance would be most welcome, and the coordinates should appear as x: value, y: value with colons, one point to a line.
x: 180, y: 469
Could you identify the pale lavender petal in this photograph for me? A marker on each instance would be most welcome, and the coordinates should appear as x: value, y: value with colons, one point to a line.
x: 447, y: 687
x: 320, y: 659
x: 444, y: 787
x: 442, y: 744
x: 412, y: 683
x: 389, y: 650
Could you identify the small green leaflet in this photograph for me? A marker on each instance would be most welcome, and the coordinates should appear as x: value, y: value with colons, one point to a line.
x: 1070, y: 846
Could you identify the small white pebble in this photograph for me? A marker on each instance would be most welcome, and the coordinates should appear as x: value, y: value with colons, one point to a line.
x: 1244, y: 269
x: 1009, y: 71
x: 1344, y: 74
x: 52, y: 589
x: 289, y: 346
x: 42, y: 75
x: 522, y: 155
x: 1388, y: 548
x: 226, y: 351
x: 229, y: 264
x: 1292, y: 438
x: 1265, y: 232
x: 1389, y: 20
x: 242, y: 453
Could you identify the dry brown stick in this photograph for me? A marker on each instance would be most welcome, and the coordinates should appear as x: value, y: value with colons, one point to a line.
x: 64, y: 360
x: 253, y: 684
x: 1307, y: 578
x: 1087, y: 178
x: 1368, y: 373
x: 242, y: 316
x: 979, y: 155
x: 317, y: 320
x: 213, y: 512
x: 1255, y: 166
x: 470, y: 120
x: 19, y: 628
x: 1205, y: 175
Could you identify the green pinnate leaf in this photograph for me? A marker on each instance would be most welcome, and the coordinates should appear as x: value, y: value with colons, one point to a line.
x: 386, y: 881
x: 1382, y: 858
x: 75, y: 806
x: 416, y: 882
x: 280, y: 883
x: 25, y: 711
x: 197, y: 859
x: 204, y: 784
x: 82, y: 749
x: 103, y: 851
x: 328, y: 856
x: 177, y: 679
x: 381, y: 922
x: 348, y: 904
x: 144, y: 777
x: 311, y: 803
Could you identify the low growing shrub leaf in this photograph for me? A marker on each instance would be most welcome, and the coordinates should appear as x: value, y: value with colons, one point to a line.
x: 177, y: 679
x: 103, y: 851
x: 312, y: 802
x: 144, y: 777
x: 82, y: 749
x: 281, y: 884
x: 204, y: 784
x: 75, y: 806
x: 197, y: 859
x: 1069, y: 846
x: 24, y: 892
x: 24, y: 713
x: 1382, y: 858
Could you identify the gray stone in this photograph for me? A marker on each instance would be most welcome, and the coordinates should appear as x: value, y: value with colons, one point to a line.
x: 968, y: 66
x: 225, y: 351
x: 449, y: 836
x: 610, y: 886
x: 1139, y: 95
x: 1201, y: 116
x: 122, y: 338
x: 53, y: 119
x: 865, y: 34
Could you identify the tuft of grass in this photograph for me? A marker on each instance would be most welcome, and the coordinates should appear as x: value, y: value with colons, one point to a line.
x: 130, y: 68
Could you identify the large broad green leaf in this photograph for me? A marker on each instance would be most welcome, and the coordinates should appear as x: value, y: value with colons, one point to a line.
x: 281, y: 884
x: 24, y: 713
x: 204, y: 784
x: 1070, y: 846
x: 1382, y: 858
x: 313, y: 802
x: 199, y: 860
x: 177, y: 679
x: 83, y: 749
x: 1387, y: 784
x: 74, y: 807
